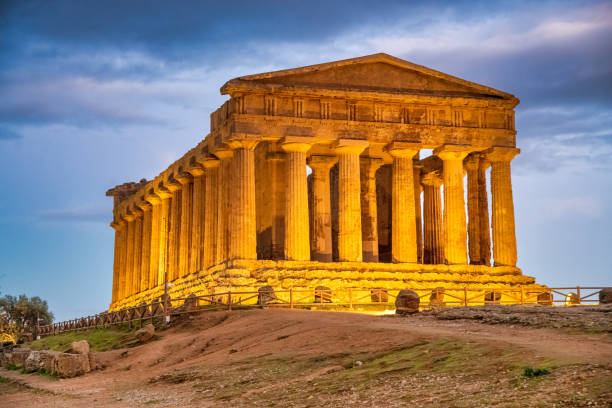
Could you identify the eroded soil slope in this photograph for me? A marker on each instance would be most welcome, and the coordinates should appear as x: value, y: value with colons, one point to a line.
x: 290, y: 358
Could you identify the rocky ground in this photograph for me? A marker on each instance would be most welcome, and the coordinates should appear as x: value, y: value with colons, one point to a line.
x: 462, y: 357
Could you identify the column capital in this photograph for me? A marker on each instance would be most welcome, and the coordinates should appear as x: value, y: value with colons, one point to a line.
x: 453, y: 152
x: 117, y: 224
x: 144, y: 205
x: 432, y: 179
x: 224, y: 153
x: 138, y: 213
x: 209, y: 162
x: 369, y: 165
x: 349, y: 146
x: 323, y: 162
x: 247, y: 144
x: 128, y: 217
x: 183, y: 178
x: 162, y: 191
x: 196, y: 170
x: 296, y: 143
x: 403, y: 149
x: 152, y: 198
x: 173, y: 185
x: 471, y: 161
x: 501, y: 154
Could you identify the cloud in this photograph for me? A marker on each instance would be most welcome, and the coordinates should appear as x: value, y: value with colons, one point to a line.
x: 78, y: 215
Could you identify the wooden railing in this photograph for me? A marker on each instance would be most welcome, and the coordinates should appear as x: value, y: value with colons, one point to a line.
x: 350, y: 298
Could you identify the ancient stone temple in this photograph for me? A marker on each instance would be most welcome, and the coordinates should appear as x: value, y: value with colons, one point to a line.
x: 343, y: 174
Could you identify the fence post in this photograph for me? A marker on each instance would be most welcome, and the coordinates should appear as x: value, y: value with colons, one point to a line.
x: 350, y: 298
x: 290, y: 298
x: 522, y: 296
x: 465, y: 298
x: 578, y: 293
x: 229, y: 300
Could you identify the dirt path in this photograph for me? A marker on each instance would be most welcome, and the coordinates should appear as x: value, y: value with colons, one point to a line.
x: 244, y: 356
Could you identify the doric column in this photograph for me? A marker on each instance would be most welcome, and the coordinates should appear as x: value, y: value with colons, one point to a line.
x: 478, y: 210
x: 197, y: 218
x: 403, y: 216
x: 504, y: 238
x: 417, y: 208
x: 164, y: 233
x: 185, y: 229
x: 243, y: 227
x: 278, y: 168
x: 369, y: 209
x: 145, y: 247
x: 455, y: 232
x: 155, y: 202
x: 209, y: 253
x: 321, y: 232
x: 137, y: 250
x: 297, y: 240
x: 174, y: 232
x: 224, y: 184
x: 433, y: 241
x: 349, y: 203
x: 483, y: 204
x: 129, y: 254
x: 119, y: 227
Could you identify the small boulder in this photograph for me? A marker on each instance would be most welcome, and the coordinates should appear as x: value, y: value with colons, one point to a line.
x: 323, y: 294
x: 145, y: 334
x: 605, y: 296
x: 79, y: 347
x: 436, y: 299
x: 7, y: 359
x: 32, y: 362
x: 407, y: 302
x: 71, y: 365
x: 545, y: 299
x: 265, y: 295
x: 93, y: 361
x: 379, y: 296
x: 19, y: 356
x: 572, y: 299
x: 48, y: 360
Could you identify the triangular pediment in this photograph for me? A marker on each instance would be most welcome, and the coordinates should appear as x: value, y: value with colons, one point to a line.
x: 372, y: 73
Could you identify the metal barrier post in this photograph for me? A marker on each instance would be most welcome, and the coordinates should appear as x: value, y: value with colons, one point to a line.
x: 465, y: 298
x: 229, y: 300
x: 290, y: 298
x: 578, y: 293
x: 350, y: 298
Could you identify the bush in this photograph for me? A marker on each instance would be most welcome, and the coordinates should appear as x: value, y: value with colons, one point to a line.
x: 535, y: 372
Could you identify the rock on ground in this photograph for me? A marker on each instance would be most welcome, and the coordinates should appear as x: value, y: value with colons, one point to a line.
x: 80, y: 347
x: 146, y: 333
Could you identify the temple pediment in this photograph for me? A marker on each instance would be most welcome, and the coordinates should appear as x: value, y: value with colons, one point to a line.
x: 373, y: 73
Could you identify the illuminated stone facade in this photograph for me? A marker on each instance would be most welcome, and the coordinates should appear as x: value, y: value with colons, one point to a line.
x: 316, y: 176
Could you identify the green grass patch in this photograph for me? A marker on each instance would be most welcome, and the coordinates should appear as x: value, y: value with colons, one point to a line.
x: 102, y: 339
x: 535, y: 372
x: 154, y: 401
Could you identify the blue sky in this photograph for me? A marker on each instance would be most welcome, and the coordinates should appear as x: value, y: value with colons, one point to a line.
x: 93, y: 94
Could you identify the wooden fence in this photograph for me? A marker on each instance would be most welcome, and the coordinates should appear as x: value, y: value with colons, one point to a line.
x: 351, y: 298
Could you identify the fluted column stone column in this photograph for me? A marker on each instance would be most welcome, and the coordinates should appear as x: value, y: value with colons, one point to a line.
x: 211, y: 212
x: 224, y: 184
x: 403, y: 216
x: 369, y: 208
x: 119, y: 227
x: 321, y: 233
x: 504, y: 236
x: 297, y: 241
x: 350, y: 247
x: 184, y: 243
x: 129, y: 254
x: 137, y: 250
x: 417, y: 208
x: 243, y: 226
x: 455, y: 231
x: 197, y: 218
x: 164, y: 234
x: 155, y: 202
x: 278, y: 170
x: 145, y: 246
x: 483, y: 205
x: 433, y: 240
x: 174, y: 231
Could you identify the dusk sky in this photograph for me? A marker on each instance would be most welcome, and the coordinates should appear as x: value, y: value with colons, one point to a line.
x: 94, y: 94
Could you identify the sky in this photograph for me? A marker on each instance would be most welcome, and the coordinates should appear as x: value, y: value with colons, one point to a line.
x: 94, y: 94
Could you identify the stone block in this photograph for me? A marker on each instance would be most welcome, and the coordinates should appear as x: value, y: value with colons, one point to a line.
x: 605, y: 296
x: 32, y: 362
x: 407, y: 302
x: 80, y: 347
x: 72, y: 365
x: 19, y: 356
x: 145, y: 334
x: 48, y: 360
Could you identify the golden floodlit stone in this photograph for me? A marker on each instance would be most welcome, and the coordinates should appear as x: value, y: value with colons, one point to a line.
x: 314, y: 177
